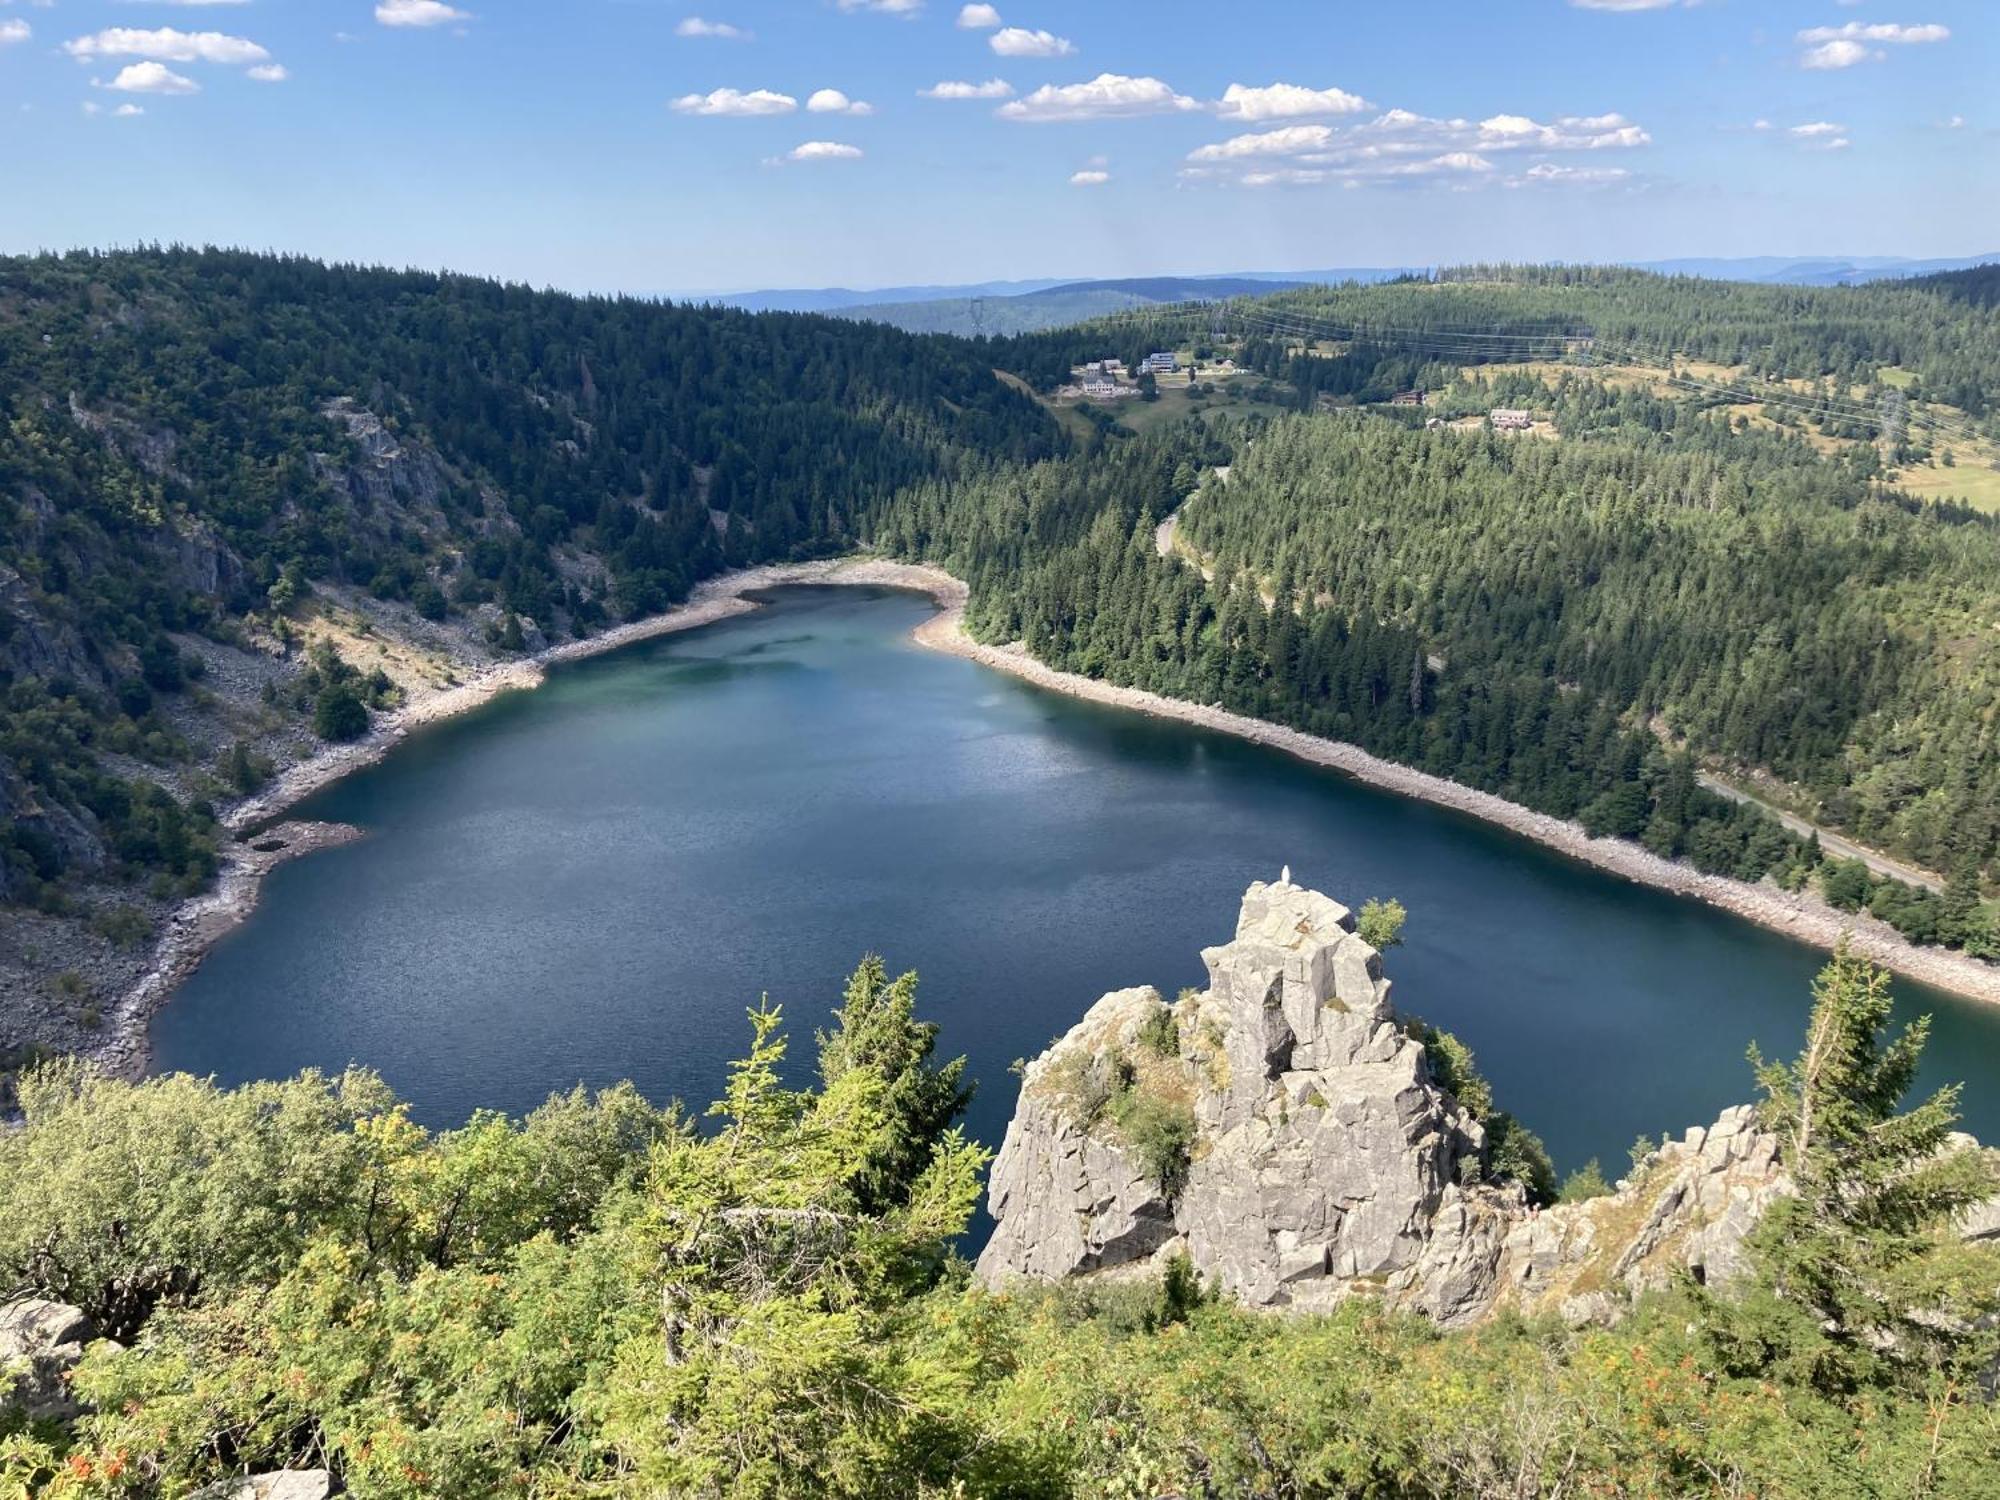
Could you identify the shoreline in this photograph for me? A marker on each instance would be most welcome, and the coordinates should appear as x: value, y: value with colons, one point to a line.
x: 1798, y: 915
x: 198, y: 923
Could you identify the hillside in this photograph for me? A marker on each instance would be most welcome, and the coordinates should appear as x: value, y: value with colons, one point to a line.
x: 1672, y: 574
x: 246, y: 502
x: 1056, y: 306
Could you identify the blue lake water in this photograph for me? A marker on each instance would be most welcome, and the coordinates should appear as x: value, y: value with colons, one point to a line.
x: 592, y: 881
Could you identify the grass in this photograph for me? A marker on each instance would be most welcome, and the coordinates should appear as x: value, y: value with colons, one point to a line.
x: 1972, y: 478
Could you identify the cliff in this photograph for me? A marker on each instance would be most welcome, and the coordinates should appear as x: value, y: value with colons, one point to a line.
x: 1292, y: 1135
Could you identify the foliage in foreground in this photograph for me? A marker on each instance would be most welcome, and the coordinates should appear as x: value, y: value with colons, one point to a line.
x: 609, y: 1299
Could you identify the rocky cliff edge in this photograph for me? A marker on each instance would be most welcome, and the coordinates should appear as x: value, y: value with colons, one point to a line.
x: 1289, y: 1133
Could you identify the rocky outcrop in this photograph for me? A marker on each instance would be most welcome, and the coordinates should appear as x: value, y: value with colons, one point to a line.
x: 1315, y: 1155
x: 40, y: 1342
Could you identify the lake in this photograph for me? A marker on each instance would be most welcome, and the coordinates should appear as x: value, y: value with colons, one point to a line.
x: 592, y: 881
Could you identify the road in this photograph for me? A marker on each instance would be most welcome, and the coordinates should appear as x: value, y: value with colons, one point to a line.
x: 1831, y: 843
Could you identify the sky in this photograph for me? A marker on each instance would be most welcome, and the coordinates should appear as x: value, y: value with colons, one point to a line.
x: 714, y: 145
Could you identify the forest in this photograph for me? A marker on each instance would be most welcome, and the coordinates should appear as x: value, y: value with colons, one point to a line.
x: 613, y: 1298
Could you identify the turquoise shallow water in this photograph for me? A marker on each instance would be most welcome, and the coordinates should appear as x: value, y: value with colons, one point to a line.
x: 590, y: 882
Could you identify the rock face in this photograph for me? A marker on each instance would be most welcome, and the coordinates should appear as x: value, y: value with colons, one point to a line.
x: 40, y: 1342
x: 1316, y: 1156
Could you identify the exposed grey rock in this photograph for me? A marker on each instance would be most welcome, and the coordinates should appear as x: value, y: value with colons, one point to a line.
x: 40, y: 1342
x: 1327, y: 1162
x: 279, y: 1484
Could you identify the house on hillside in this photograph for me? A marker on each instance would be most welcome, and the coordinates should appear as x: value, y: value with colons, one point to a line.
x: 1510, y: 419
x: 1159, y: 363
x: 1407, y: 398
x: 1100, y: 389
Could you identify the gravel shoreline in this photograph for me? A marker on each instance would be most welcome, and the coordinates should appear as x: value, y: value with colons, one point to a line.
x: 1799, y: 915
x: 260, y: 841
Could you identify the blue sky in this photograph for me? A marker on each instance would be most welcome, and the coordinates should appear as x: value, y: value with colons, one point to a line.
x: 688, y: 145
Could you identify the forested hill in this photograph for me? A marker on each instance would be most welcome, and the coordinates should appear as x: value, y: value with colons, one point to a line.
x: 239, y: 492
x: 1683, y: 567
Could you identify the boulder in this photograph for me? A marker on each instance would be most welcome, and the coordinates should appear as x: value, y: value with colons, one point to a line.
x: 279, y: 1484
x: 40, y: 1342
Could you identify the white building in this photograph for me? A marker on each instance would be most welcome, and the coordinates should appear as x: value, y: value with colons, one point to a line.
x: 1160, y: 363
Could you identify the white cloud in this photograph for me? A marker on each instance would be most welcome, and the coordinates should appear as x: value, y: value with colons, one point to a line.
x: 1551, y: 173
x: 1830, y: 47
x: 735, y: 102
x: 823, y: 151
x: 722, y: 30
x: 14, y: 31
x: 1108, y: 96
x: 1838, y: 55
x: 1817, y: 127
x: 1398, y: 145
x: 908, y: 9
x: 978, y: 18
x: 1091, y: 178
x: 127, y: 112
x: 1018, y: 41
x: 834, y: 102
x: 269, y: 73
x: 418, y: 13
x: 1626, y: 4
x: 1287, y: 140
x: 165, y: 44
x: 993, y: 88
x: 1281, y: 101
x: 152, y: 78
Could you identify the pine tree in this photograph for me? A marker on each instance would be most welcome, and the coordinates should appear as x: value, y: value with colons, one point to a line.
x: 1860, y: 1281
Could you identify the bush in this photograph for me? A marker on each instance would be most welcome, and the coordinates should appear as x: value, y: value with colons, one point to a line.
x: 340, y: 715
x: 1160, y: 1130
x: 1160, y: 1033
x: 1585, y: 1183
x: 1380, y: 925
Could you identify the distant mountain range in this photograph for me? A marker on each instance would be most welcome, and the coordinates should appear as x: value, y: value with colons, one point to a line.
x: 1006, y: 307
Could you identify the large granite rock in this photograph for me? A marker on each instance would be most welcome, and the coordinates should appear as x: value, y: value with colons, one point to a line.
x: 1325, y: 1160
x: 40, y: 1341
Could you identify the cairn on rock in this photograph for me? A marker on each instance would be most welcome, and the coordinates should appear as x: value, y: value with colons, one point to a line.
x: 1288, y: 1132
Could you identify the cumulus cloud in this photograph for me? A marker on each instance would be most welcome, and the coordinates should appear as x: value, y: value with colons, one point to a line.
x: 735, y: 102
x: 978, y: 17
x: 721, y: 30
x: 1090, y: 177
x: 1829, y: 47
x: 1627, y: 4
x: 14, y: 31
x: 834, y: 102
x: 823, y: 151
x: 993, y: 88
x: 165, y: 44
x: 1018, y: 41
x: 152, y: 78
x: 1108, y: 96
x: 1280, y: 101
x: 269, y: 73
x: 418, y: 13
x: 1400, y: 145
x: 127, y: 112
x: 908, y: 9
